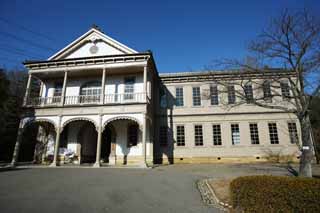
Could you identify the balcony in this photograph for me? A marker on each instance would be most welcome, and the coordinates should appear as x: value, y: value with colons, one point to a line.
x: 108, y: 99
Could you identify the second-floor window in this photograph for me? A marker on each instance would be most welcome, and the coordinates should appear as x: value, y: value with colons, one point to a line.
x: 214, y: 95
x: 90, y: 92
x: 179, y: 96
x: 129, y: 88
x: 196, y: 97
x: 248, y: 91
x: 266, y: 87
x: 57, y: 93
x: 231, y: 94
x: 285, y: 90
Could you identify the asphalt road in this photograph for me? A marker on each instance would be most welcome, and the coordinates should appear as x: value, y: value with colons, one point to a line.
x: 90, y: 190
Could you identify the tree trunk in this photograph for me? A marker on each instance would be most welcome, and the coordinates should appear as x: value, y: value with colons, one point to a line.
x: 305, y: 169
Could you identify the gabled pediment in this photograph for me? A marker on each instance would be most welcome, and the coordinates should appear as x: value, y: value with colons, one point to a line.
x: 92, y: 43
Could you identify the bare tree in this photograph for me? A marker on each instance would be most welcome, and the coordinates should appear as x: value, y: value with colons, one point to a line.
x: 292, y: 43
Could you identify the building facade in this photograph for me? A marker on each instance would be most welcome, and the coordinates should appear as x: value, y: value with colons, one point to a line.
x: 103, y: 103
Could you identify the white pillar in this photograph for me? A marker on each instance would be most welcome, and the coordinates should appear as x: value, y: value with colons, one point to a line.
x: 64, y: 88
x: 27, y: 94
x: 103, y: 81
x: 17, y: 145
x: 144, y: 139
x: 145, y: 70
x: 98, y: 152
x: 56, y: 145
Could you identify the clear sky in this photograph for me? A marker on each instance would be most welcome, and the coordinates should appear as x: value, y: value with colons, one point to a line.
x: 183, y: 35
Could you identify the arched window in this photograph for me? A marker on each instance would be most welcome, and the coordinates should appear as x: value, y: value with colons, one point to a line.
x: 90, y: 92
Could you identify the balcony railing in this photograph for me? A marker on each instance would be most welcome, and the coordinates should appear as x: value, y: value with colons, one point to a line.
x: 125, y: 98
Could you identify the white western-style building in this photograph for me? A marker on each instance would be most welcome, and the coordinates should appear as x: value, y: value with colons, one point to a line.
x: 103, y: 103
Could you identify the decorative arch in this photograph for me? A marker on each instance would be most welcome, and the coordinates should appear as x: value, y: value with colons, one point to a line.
x: 79, y: 119
x: 39, y: 120
x: 121, y: 118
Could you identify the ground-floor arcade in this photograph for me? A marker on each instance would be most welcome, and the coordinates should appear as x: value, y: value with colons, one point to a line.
x: 92, y: 140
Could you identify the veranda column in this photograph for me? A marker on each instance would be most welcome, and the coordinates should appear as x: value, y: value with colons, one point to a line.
x: 145, y: 71
x: 144, y: 138
x: 103, y: 81
x: 17, y: 145
x: 63, y: 94
x: 98, y: 153
x: 27, y: 94
x: 57, y: 144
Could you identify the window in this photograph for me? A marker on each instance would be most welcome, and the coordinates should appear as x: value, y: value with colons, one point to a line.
x: 180, y: 135
x: 248, y: 93
x: 254, y: 133
x: 231, y: 94
x: 273, y: 133
x: 214, y: 95
x: 196, y: 97
x: 132, y: 135
x: 235, y: 134
x: 293, y: 133
x: 129, y: 88
x: 267, y: 91
x: 285, y: 91
x: 90, y: 92
x: 57, y: 93
x: 198, y: 136
x: 179, y: 96
x: 216, y: 131
x: 163, y: 136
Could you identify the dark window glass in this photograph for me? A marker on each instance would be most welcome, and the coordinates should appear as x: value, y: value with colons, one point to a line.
x: 198, y: 136
x: 216, y: 131
x: 273, y: 133
x: 254, y: 133
x: 180, y: 135
x: 179, y: 96
x: 214, y: 95
x: 196, y: 97
x: 133, y: 135
x: 231, y: 94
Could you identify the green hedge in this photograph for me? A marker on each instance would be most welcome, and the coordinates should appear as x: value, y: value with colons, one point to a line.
x: 275, y: 194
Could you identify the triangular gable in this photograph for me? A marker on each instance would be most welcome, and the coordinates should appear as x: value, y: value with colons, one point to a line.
x: 92, y: 43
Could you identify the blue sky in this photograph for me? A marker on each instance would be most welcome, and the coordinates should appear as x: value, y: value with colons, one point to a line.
x: 183, y: 35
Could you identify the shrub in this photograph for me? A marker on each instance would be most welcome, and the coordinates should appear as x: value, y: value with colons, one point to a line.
x: 275, y: 194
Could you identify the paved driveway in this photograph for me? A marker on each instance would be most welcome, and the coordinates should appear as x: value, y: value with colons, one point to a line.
x: 162, y: 189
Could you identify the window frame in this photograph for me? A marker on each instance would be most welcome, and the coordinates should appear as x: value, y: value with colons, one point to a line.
x: 293, y: 135
x: 236, y: 141
x: 216, y: 135
x: 129, y: 87
x: 285, y: 90
x: 214, y: 95
x: 248, y: 92
x: 196, y: 96
x: 254, y: 133
x: 180, y: 136
x: 179, y: 102
x: 198, y: 136
x: 231, y: 94
x: 266, y: 89
x: 273, y: 133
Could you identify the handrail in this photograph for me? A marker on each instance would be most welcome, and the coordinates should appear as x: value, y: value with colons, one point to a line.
x: 117, y: 98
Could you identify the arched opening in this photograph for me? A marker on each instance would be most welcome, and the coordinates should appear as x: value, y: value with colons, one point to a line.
x: 121, y: 141
x: 37, y: 143
x: 78, y: 142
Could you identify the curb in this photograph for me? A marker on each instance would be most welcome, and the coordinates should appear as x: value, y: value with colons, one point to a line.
x: 209, y: 197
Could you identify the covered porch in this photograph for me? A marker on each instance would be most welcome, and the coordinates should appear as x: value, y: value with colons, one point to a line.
x: 89, y: 141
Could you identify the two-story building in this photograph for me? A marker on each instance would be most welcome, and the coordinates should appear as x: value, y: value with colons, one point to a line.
x: 106, y: 104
